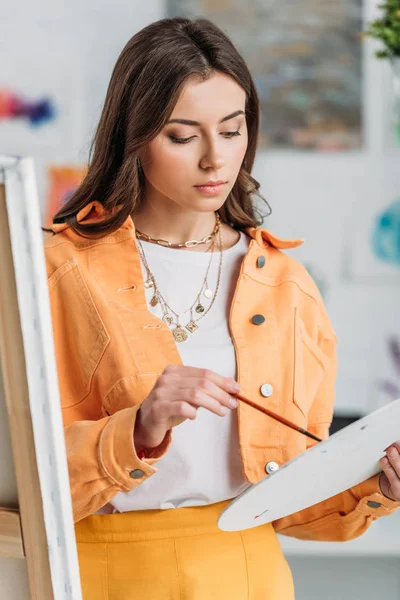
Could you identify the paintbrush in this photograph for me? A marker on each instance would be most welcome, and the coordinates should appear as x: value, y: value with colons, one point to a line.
x: 273, y: 415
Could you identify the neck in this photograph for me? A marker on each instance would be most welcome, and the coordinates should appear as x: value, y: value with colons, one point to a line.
x: 174, y: 224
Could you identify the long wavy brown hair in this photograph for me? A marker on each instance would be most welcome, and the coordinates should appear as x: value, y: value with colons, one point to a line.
x: 145, y: 85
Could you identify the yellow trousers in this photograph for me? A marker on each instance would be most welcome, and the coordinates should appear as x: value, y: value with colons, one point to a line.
x: 179, y: 554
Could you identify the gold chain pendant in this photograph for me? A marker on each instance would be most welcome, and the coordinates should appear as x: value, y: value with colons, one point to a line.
x: 191, y: 326
x: 168, y: 319
x: 179, y: 334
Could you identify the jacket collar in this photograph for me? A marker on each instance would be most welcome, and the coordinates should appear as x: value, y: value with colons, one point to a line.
x: 94, y: 211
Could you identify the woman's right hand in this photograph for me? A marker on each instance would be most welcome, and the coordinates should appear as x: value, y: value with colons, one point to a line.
x: 177, y: 394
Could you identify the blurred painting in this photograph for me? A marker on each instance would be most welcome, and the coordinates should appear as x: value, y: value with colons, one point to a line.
x: 370, y: 252
x: 305, y: 58
x: 62, y: 182
x: 14, y: 106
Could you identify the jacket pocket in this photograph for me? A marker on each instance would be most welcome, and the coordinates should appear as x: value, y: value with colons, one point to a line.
x: 310, y: 365
x: 80, y: 336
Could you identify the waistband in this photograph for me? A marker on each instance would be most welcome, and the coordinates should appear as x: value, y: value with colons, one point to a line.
x: 139, y: 525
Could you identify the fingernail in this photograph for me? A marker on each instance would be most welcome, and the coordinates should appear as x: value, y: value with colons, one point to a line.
x: 223, y: 410
x: 233, y: 402
x: 235, y: 386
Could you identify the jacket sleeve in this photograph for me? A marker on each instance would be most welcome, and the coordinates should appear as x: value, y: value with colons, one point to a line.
x: 101, y: 456
x: 102, y: 460
x: 350, y: 513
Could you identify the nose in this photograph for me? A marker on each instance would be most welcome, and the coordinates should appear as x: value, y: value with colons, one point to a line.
x: 212, y: 159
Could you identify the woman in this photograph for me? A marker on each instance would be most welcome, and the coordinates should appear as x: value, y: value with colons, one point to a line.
x: 165, y: 293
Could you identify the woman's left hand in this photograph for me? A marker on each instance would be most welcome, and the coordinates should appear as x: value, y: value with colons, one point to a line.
x: 389, y: 480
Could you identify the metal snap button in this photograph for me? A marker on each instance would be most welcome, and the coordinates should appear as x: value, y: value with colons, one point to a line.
x: 271, y: 467
x: 258, y: 319
x: 260, y: 262
x: 372, y: 504
x: 136, y: 474
x: 266, y: 390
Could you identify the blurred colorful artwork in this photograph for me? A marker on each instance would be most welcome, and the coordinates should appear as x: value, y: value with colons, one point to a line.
x: 370, y: 252
x: 386, y: 235
x: 306, y: 61
x: 62, y: 182
x: 14, y: 106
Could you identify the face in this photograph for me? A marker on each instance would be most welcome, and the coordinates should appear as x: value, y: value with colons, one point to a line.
x: 204, y: 140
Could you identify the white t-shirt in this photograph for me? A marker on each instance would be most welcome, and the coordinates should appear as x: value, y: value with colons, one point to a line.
x: 202, y: 465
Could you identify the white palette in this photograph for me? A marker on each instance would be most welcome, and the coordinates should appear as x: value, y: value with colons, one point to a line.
x: 347, y: 458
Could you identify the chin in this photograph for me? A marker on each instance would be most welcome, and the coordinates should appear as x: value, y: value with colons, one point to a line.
x: 207, y: 206
x: 209, y: 203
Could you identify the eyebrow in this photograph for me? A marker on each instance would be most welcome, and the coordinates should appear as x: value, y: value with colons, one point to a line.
x: 189, y: 122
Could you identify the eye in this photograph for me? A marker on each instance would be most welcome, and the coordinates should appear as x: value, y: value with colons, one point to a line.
x: 176, y: 140
x: 230, y: 134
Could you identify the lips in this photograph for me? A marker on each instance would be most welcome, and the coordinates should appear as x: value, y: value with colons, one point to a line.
x: 212, y: 189
x: 210, y: 183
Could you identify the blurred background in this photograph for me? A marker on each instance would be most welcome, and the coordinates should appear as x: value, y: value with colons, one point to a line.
x: 328, y: 163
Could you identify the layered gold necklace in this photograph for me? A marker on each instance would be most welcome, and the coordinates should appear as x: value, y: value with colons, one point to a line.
x: 171, y: 317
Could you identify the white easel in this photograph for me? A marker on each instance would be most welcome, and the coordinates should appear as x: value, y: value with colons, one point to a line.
x: 36, y: 521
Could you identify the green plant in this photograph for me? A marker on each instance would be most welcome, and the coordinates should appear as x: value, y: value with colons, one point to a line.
x: 387, y: 29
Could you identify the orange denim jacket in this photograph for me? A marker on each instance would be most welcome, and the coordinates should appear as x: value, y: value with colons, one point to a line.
x: 110, y: 349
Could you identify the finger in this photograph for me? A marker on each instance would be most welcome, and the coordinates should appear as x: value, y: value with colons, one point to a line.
x: 394, y: 481
x: 182, y: 409
x: 184, y: 402
x: 396, y: 444
x: 196, y: 397
x: 214, y: 390
x: 210, y: 389
x: 166, y: 410
x: 392, y: 474
x: 394, y: 459
x: 227, y: 383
